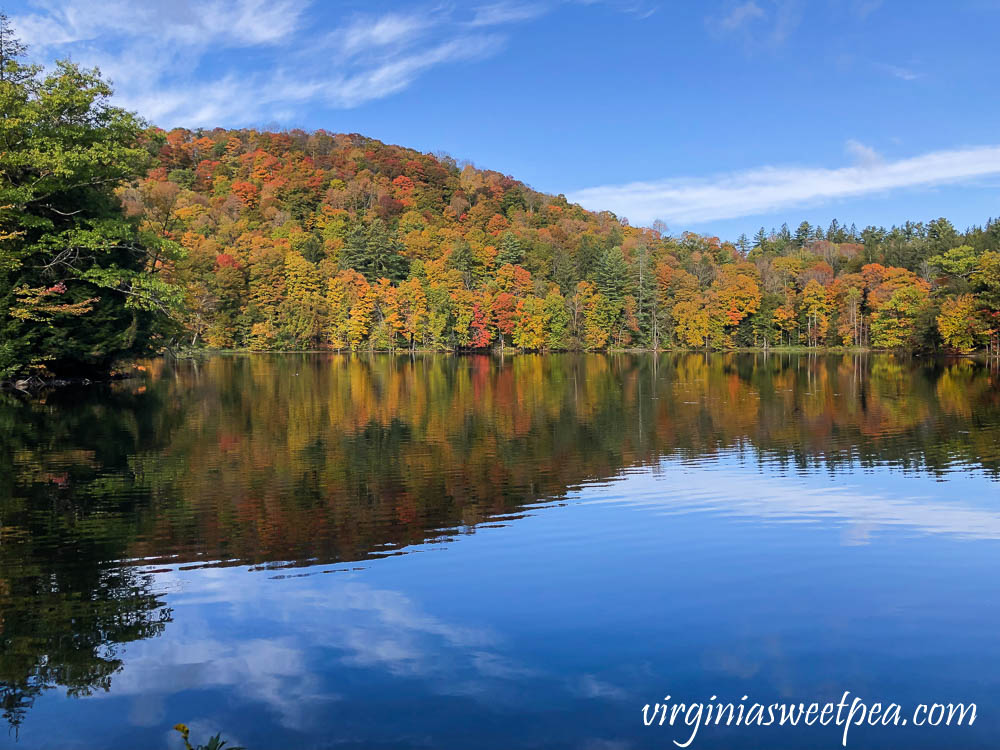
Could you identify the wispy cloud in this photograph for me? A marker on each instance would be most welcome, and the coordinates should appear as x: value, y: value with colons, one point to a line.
x: 501, y: 13
x: 365, y: 34
x: 862, y: 154
x: 740, y: 16
x: 639, y: 8
x: 765, y: 189
x: 227, y: 62
x: 228, y: 22
x: 246, y: 98
x: 898, y: 71
x: 767, y: 23
x: 864, y: 8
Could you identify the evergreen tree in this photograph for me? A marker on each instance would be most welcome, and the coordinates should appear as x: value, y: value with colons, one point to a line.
x: 513, y: 200
x: 871, y: 238
x: 464, y: 260
x: 743, y: 244
x: 509, y: 251
x: 646, y: 297
x: 354, y: 253
x: 312, y: 249
x: 612, y: 275
x: 564, y: 273
x: 374, y: 252
x: 803, y: 234
x: 587, y: 256
x: 941, y: 236
x: 763, y: 327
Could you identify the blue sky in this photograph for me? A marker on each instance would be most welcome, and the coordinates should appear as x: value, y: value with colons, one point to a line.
x: 718, y: 116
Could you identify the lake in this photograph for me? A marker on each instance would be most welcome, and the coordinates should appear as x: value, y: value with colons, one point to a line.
x: 333, y: 551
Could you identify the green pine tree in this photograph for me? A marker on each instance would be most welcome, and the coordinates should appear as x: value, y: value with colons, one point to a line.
x: 612, y: 275
x: 803, y: 234
x: 509, y: 251
x: 374, y: 252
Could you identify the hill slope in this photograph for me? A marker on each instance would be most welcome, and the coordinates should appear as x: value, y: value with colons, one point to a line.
x: 305, y: 240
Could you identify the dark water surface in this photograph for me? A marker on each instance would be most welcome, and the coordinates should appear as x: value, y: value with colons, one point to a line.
x: 320, y: 551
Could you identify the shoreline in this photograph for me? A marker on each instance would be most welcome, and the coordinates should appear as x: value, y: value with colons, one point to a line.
x: 186, y: 354
x: 36, y: 383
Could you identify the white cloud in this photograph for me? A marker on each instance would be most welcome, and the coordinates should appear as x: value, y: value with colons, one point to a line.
x: 640, y: 9
x: 229, y: 62
x: 740, y: 16
x: 903, y: 74
x: 760, y: 25
x: 397, y: 74
x: 862, y: 154
x: 367, y: 34
x: 248, y: 98
x: 500, y: 13
x: 230, y: 22
x: 253, y: 21
x: 765, y: 189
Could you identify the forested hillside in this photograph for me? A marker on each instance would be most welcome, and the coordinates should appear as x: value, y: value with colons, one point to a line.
x: 119, y: 239
x: 291, y: 240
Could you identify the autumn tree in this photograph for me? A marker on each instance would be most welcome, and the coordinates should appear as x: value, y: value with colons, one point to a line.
x: 815, y: 311
x: 504, y: 311
x: 558, y: 320
x: 894, y: 324
x: 302, y: 313
x: 530, y: 324
x: 848, y: 298
x: 735, y: 296
x: 413, y: 313
x: 960, y: 324
x: 692, y: 323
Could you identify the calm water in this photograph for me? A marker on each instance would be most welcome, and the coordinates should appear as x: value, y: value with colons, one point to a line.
x: 309, y: 551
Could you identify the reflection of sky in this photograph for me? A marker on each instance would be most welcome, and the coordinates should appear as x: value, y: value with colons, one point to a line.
x: 553, y: 630
x: 967, y: 505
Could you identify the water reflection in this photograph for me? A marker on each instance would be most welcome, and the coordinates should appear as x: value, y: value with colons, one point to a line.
x: 335, y: 458
x: 121, y: 506
x: 726, y: 488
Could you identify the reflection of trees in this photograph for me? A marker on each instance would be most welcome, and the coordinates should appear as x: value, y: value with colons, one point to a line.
x: 67, y: 513
x: 336, y: 458
x: 57, y: 634
x: 328, y: 458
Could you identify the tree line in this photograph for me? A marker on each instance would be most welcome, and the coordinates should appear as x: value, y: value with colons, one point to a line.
x: 117, y: 238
